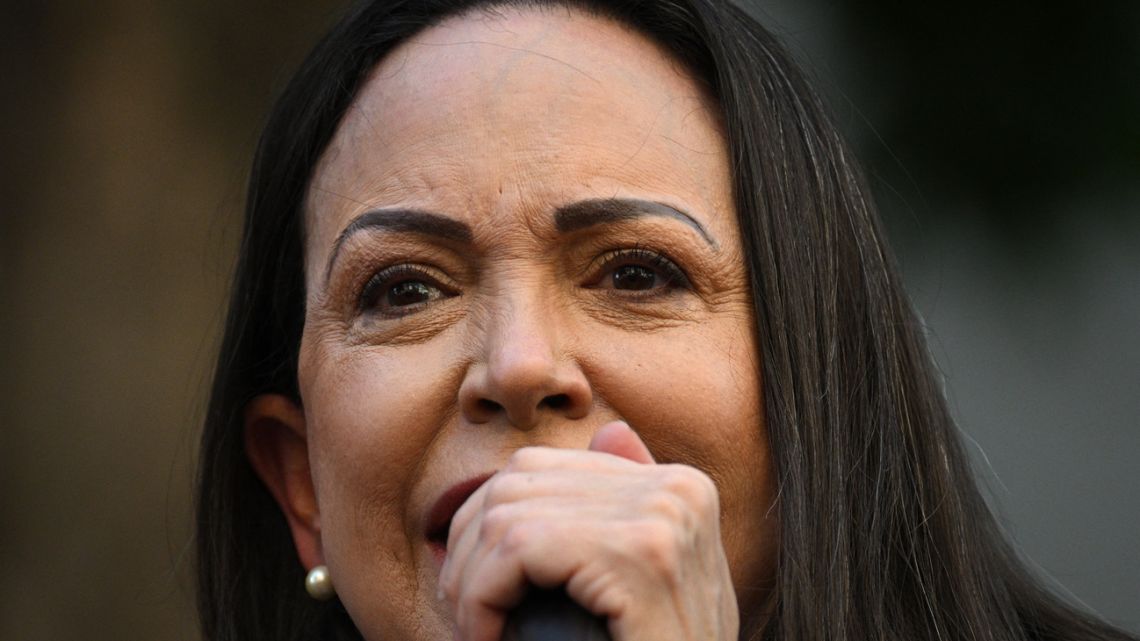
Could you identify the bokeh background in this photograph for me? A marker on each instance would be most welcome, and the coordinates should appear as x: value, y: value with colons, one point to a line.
x: 1003, y: 142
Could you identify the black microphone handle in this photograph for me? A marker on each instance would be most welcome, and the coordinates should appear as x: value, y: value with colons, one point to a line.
x: 551, y: 615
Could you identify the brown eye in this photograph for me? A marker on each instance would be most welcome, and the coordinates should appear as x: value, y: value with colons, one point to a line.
x: 400, y: 290
x: 635, y: 277
x: 411, y: 292
x: 641, y: 272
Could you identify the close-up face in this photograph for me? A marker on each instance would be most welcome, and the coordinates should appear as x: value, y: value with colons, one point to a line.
x: 522, y: 230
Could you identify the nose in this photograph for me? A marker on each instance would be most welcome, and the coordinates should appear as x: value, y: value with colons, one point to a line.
x: 523, y: 373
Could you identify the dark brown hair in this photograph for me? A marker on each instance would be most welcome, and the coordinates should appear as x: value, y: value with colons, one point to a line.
x: 884, y: 535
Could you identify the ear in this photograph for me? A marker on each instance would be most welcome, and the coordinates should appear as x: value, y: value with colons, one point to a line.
x: 278, y: 450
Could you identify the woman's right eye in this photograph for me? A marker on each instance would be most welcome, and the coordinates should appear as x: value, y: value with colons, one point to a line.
x: 400, y: 290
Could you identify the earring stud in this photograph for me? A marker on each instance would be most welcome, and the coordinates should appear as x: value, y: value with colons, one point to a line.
x: 319, y: 584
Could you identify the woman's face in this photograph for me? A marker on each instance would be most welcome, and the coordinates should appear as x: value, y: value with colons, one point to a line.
x: 523, y: 229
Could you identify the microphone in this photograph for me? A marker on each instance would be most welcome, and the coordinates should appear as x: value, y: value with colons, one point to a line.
x: 551, y: 615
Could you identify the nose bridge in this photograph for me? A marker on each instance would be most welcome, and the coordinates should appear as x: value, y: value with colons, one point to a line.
x: 522, y: 369
x: 521, y: 332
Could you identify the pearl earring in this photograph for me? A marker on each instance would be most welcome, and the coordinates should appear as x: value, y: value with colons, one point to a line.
x: 319, y: 584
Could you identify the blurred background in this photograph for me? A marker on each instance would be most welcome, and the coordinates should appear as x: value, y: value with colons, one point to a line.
x: 1002, y: 140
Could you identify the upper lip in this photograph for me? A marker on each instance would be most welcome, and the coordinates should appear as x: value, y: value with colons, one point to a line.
x: 438, y: 520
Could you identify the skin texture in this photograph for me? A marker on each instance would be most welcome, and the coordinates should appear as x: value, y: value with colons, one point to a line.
x: 526, y: 350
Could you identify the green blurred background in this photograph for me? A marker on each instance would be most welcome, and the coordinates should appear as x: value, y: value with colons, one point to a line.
x: 1003, y: 141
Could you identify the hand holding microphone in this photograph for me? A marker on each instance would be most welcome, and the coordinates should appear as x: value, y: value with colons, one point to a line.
x: 599, y: 539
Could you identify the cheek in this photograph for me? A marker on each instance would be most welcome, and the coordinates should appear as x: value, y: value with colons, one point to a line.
x: 695, y: 398
x: 693, y: 393
x: 371, y: 416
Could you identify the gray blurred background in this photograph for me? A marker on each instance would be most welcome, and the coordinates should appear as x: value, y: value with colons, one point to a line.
x: 1003, y: 144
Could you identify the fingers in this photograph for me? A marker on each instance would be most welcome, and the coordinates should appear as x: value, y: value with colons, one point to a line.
x: 505, y: 527
x: 634, y: 574
x: 630, y: 540
x: 546, y: 550
x: 503, y: 551
x: 538, y: 471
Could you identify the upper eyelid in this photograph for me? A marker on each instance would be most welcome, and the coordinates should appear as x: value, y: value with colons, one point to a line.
x: 393, y: 270
x: 375, y: 278
x: 363, y: 264
x: 441, y: 277
x: 360, y: 263
x: 602, y: 262
x: 636, y: 251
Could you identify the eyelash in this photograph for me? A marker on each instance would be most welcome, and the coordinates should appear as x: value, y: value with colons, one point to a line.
x: 381, y: 282
x: 674, y: 276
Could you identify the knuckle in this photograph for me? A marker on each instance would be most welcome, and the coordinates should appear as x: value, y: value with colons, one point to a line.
x: 509, y: 487
x: 516, y: 537
x: 694, y: 487
x: 658, y: 544
x: 666, y: 505
x: 496, y: 521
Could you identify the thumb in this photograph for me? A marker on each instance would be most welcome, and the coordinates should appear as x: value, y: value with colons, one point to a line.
x: 619, y: 439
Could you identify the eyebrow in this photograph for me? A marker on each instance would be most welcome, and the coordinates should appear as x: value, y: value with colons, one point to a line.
x: 413, y: 221
x: 567, y: 218
x: 587, y: 213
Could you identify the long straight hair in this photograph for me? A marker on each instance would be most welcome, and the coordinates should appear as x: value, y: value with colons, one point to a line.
x: 884, y: 535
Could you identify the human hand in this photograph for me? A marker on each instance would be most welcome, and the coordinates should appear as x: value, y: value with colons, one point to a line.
x: 631, y: 540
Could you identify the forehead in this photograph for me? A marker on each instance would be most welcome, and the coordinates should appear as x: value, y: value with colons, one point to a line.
x: 487, y: 115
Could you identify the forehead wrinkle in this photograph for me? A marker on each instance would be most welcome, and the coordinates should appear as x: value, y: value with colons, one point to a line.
x: 508, y: 230
x: 390, y: 98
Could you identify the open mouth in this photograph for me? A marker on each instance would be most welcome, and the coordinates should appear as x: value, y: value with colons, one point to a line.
x: 443, y: 512
x: 438, y: 537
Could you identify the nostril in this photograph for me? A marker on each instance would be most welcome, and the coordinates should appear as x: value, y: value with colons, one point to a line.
x: 488, y: 405
x: 556, y: 401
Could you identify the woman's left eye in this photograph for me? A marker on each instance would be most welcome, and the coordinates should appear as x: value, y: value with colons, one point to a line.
x: 410, y: 292
x: 639, y: 271
x: 635, y: 277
